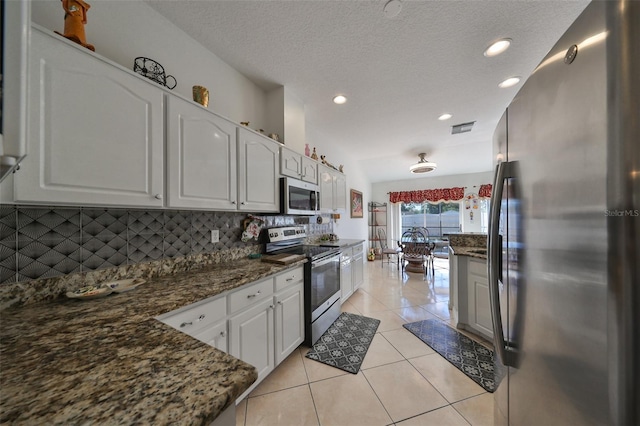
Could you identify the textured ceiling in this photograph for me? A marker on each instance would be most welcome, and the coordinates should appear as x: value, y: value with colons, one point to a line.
x: 399, y: 74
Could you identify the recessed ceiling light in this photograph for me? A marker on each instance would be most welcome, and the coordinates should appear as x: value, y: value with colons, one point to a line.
x: 497, y: 47
x: 340, y: 99
x: 511, y: 81
x: 445, y: 117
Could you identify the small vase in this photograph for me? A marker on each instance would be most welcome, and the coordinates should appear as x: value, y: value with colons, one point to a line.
x: 307, y: 151
x: 201, y: 95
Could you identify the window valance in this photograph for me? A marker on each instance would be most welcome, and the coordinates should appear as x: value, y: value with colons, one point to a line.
x: 485, y: 191
x: 436, y: 195
x: 432, y: 195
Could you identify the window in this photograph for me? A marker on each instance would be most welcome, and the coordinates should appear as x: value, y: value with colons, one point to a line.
x: 439, y: 219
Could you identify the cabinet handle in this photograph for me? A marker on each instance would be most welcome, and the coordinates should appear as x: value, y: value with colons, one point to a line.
x: 253, y: 295
x: 279, y: 302
x: 186, y: 323
x: 243, y: 203
x: 271, y: 307
x: 223, y: 333
x: 233, y: 202
x: 291, y: 279
x: 158, y: 196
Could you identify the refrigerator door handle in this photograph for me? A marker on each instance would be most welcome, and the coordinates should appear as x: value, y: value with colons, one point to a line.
x: 494, y: 258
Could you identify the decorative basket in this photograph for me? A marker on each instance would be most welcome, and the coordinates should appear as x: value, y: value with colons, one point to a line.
x: 154, y: 71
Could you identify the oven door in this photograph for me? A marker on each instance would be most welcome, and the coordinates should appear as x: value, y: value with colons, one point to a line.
x: 325, y: 284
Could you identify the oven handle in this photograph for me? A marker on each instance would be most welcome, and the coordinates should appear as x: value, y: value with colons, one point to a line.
x: 325, y: 260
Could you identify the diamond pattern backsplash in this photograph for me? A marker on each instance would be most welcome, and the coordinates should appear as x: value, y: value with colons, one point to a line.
x: 45, y: 242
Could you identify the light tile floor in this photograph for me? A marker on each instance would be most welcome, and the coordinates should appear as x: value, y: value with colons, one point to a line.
x: 402, y: 381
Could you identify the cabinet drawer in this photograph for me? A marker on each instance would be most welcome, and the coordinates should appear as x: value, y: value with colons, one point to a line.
x: 357, y: 249
x: 289, y: 278
x: 477, y: 267
x: 196, y: 317
x: 250, y: 294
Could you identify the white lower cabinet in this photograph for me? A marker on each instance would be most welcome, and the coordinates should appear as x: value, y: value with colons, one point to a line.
x: 261, y: 323
x: 215, y: 336
x: 346, y: 277
x: 252, y: 337
x: 357, y: 266
x: 289, y: 321
x: 478, y: 297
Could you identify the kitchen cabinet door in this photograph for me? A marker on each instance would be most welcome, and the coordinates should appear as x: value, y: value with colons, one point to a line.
x: 215, y: 335
x: 357, y: 266
x: 346, y: 274
x: 478, y: 298
x: 290, y: 163
x: 309, y: 170
x: 326, y: 188
x: 258, y: 172
x: 289, y: 321
x: 96, y: 132
x: 298, y: 166
x: 251, y: 337
x: 333, y: 189
x: 201, y: 158
x: 340, y: 192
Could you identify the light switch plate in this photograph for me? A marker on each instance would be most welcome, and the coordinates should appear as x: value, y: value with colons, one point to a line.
x: 215, y: 235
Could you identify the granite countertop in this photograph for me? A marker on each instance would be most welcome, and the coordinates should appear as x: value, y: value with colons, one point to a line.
x: 109, y: 360
x: 470, y: 251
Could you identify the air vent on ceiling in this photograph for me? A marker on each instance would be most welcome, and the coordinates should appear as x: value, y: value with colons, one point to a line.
x: 462, y: 128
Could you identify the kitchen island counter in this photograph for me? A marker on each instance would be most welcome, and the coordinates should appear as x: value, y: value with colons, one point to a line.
x: 109, y: 360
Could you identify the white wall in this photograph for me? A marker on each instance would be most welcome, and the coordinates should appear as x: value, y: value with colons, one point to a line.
x: 345, y: 227
x: 124, y: 30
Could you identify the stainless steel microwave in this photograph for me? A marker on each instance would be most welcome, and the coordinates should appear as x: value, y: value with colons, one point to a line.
x: 298, y: 197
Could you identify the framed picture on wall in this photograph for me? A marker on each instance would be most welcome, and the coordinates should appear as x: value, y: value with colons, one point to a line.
x: 356, y: 204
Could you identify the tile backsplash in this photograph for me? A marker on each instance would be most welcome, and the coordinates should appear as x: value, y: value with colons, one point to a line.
x: 39, y: 242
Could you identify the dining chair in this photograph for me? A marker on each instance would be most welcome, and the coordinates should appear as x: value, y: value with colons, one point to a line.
x: 386, y: 250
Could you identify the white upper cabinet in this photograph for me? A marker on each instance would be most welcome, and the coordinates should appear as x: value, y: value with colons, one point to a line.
x: 201, y: 158
x: 96, y: 133
x: 298, y: 166
x: 333, y: 189
x: 258, y: 172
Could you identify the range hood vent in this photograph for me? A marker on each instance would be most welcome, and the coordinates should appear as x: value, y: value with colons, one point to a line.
x: 462, y: 128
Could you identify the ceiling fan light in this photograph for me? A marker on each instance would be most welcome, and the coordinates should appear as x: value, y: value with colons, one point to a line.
x: 423, y: 165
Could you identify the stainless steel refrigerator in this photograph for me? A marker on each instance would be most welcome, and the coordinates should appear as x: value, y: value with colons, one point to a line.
x: 565, y: 228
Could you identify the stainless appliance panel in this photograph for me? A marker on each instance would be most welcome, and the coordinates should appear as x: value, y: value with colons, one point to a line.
x: 298, y: 197
x: 325, y: 283
x: 557, y: 133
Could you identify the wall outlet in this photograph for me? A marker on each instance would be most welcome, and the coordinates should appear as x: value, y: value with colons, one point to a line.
x: 215, y: 235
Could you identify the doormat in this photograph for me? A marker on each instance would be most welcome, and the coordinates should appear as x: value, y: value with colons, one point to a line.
x: 470, y: 357
x: 346, y: 342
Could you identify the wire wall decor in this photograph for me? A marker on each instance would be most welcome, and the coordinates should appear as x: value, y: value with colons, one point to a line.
x: 154, y: 71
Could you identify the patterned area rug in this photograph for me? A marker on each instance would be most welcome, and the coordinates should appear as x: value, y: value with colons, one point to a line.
x: 346, y: 342
x: 470, y: 357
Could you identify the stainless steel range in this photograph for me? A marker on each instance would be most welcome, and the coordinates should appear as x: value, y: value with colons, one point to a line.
x: 321, y: 277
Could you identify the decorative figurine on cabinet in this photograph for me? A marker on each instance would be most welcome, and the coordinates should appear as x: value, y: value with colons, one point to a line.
x: 75, y: 18
x: 314, y: 156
